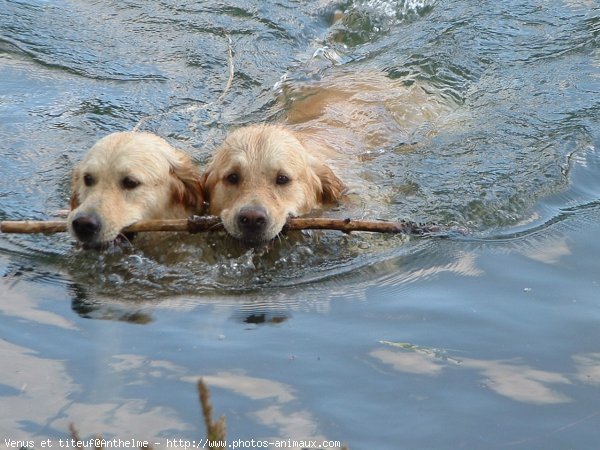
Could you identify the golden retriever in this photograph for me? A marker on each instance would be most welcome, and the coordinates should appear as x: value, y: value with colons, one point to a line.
x: 263, y: 174
x: 126, y: 177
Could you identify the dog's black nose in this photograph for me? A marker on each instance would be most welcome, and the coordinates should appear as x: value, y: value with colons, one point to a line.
x: 252, y: 219
x: 86, y: 226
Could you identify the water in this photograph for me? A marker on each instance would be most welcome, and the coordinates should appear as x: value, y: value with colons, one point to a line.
x: 484, y: 341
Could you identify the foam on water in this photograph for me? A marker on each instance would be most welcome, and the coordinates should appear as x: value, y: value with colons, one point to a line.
x: 362, y: 21
x: 399, y: 9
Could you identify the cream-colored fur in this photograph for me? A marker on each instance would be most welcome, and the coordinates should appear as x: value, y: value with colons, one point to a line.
x: 330, y: 126
x: 126, y: 177
x: 263, y: 174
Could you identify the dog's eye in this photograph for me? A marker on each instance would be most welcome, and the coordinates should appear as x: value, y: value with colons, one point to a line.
x: 282, y: 179
x: 88, y: 180
x: 233, y: 178
x: 129, y: 183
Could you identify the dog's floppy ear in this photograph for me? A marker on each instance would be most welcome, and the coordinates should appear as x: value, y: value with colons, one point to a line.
x: 332, y: 188
x: 74, y: 203
x: 74, y: 200
x: 207, y: 182
x: 186, y: 187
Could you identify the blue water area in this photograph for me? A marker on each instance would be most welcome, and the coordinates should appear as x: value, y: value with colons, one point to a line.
x: 483, y: 340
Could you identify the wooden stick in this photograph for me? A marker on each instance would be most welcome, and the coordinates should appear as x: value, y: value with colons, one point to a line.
x: 198, y: 224
x: 60, y: 226
x: 375, y: 226
x: 33, y: 226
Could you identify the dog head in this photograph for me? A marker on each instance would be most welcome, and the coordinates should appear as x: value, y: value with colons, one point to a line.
x: 126, y: 177
x: 260, y: 176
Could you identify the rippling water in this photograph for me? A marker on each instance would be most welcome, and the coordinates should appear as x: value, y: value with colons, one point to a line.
x: 504, y: 143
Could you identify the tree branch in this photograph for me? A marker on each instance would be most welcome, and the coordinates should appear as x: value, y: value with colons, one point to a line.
x: 200, y: 224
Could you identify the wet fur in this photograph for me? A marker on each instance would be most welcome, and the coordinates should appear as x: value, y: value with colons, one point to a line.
x: 258, y: 155
x: 332, y: 121
x: 169, y: 184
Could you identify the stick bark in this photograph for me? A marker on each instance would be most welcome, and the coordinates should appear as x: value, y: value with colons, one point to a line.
x: 199, y: 224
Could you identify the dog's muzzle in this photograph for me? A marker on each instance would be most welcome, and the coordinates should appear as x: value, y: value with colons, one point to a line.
x: 252, y: 222
x: 86, y: 226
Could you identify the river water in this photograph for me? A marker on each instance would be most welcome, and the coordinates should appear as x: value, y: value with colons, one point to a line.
x: 488, y: 340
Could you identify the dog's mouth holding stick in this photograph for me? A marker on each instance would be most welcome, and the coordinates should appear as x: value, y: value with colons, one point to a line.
x: 126, y: 177
x: 260, y: 176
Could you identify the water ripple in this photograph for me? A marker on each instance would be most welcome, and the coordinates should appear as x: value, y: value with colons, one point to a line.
x: 512, y: 153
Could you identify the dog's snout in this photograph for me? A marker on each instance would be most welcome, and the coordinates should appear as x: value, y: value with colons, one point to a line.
x: 86, y: 226
x: 252, y: 219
